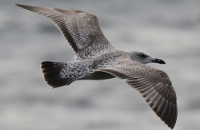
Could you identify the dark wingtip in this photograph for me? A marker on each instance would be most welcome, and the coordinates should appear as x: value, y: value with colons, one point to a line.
x: 27, y: 7
x: 19, y: 5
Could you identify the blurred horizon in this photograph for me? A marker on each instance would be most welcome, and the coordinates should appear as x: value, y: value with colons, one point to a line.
x: 168, y: 30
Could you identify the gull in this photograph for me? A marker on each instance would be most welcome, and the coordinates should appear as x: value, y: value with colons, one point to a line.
x: 97, y: 59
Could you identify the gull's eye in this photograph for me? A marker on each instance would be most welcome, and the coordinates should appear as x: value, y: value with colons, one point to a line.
x: 143, y: 56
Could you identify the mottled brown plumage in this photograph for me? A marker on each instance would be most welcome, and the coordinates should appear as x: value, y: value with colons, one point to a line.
x: 98, y: 59
x: 154, y: 85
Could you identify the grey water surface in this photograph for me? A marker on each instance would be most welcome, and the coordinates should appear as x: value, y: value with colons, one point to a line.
x: 166, y: 29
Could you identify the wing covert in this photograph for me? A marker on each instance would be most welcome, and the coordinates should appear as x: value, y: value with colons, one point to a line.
x: 80, y: 28
x: 154, y: 85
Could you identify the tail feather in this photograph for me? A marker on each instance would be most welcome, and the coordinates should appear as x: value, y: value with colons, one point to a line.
x: 52, y: 74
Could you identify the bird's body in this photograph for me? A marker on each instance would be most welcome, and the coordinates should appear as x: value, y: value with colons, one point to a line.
x: 97, y: 59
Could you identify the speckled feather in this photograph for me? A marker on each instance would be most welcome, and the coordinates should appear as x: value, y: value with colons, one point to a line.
x: 154, y: 85
x: 98, y: 59
x: 80, y: 28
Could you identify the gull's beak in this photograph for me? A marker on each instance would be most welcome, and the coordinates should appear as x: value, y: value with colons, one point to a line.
x: 158, y: 61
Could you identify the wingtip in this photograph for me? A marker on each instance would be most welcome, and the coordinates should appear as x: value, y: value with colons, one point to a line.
x: 24, y: 6
x: 19, y: 5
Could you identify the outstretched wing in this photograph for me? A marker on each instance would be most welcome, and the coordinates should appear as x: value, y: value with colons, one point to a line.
x: 154, y: 85
x: 80, y: 28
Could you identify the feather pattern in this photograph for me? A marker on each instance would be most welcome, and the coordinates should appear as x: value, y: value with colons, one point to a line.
x: 154, y: 85
x: 97, y: 60
x: 80, y: 28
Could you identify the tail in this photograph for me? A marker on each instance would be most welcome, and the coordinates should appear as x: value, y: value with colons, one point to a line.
x: 57, y: 74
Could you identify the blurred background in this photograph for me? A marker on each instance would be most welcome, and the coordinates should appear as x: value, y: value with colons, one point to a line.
x: 166, y: 29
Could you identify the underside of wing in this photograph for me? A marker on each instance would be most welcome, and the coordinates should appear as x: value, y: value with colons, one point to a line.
x: 154, y: 85
x: 80, y: 28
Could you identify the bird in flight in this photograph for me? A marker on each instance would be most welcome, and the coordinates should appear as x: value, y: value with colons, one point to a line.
x: 97, y: 59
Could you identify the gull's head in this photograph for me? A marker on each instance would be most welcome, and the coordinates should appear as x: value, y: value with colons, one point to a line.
x: 145, y: 58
